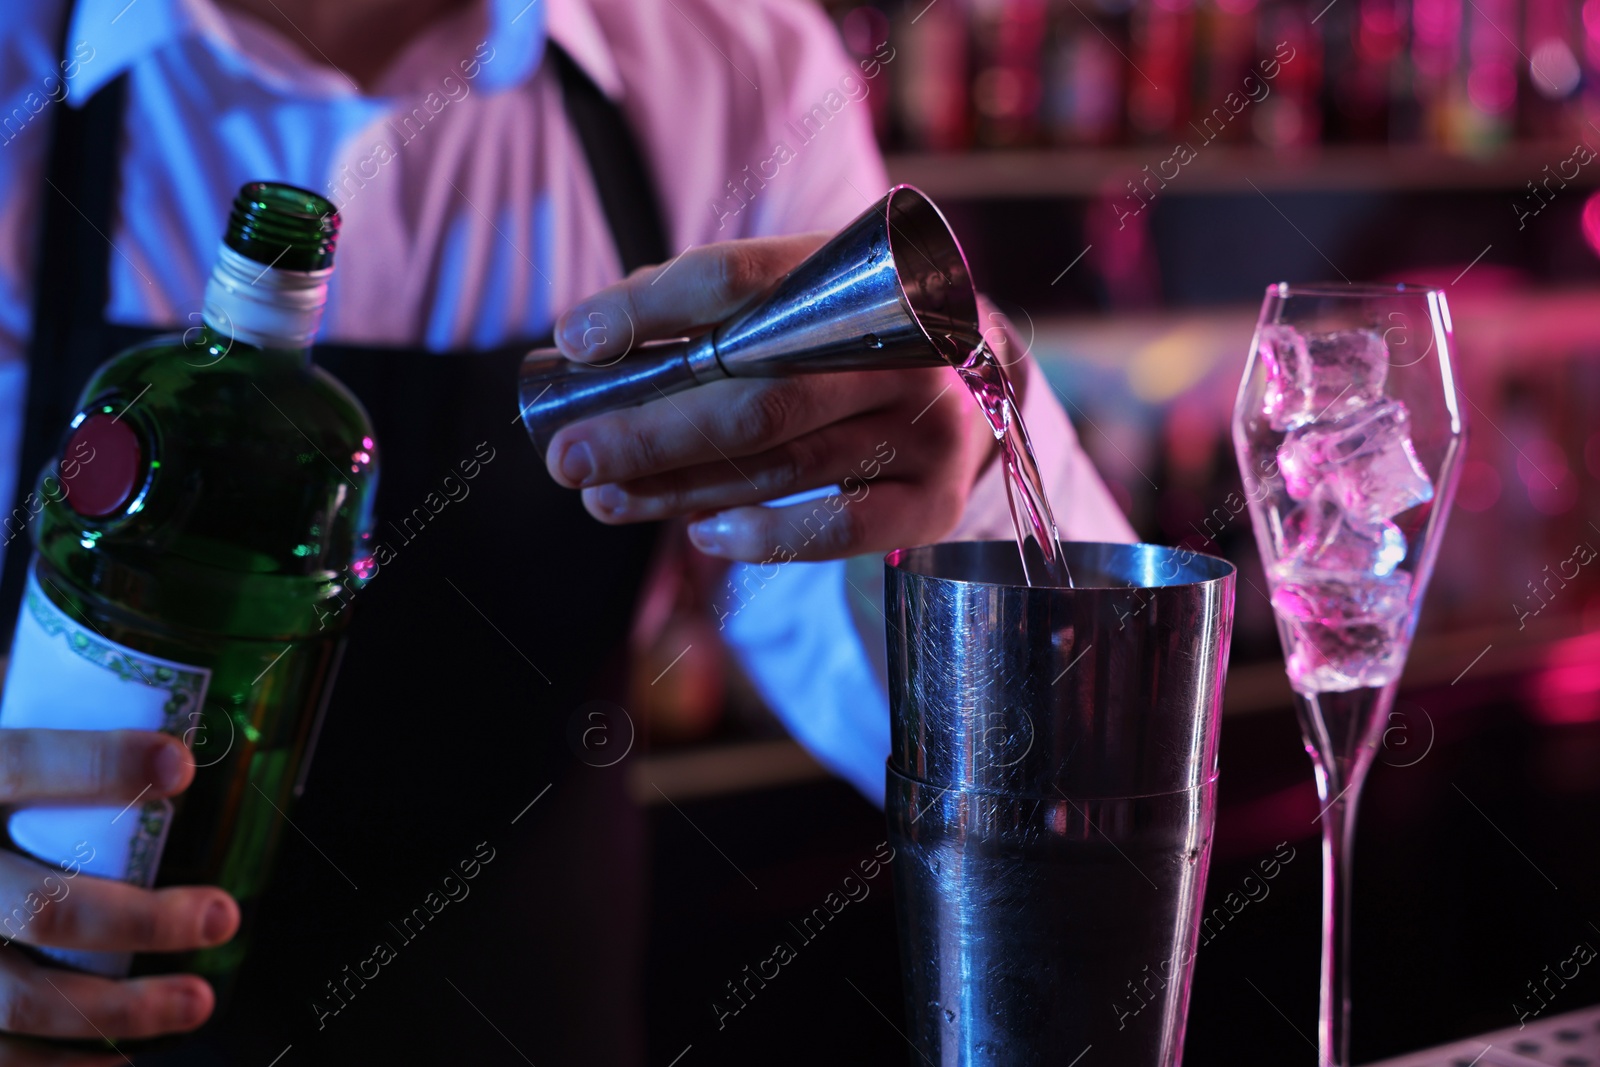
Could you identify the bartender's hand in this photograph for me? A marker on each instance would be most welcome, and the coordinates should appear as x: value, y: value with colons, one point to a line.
x: 42, y: 904
x: 911, y: 443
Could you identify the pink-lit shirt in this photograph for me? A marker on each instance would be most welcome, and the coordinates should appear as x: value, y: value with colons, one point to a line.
x: 470, y: 217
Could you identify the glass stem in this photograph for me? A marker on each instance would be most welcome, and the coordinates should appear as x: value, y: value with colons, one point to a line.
x: 1341, y: 733
x: 1339, y: 800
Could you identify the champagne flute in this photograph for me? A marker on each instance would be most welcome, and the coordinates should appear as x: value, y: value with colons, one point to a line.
x: 1349, y: 433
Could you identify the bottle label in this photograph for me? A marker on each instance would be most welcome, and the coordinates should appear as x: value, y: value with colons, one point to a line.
x: 66, y: 675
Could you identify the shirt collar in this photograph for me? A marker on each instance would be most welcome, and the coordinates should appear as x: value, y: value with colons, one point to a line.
x: 574, y: 27
x: 122, y: 33
x: 120, y: 36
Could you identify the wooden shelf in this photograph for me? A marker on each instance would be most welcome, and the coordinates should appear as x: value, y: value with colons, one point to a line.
x: 1493, y: 653
x: 1232, y: 169
x: 1181, y: 347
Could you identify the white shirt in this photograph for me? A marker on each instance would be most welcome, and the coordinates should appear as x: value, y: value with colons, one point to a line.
x: 470, y: 219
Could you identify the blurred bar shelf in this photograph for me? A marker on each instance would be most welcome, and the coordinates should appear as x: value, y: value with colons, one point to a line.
x: 1162, y: 353
x: 1234, y: 169
x: 1537, y: 664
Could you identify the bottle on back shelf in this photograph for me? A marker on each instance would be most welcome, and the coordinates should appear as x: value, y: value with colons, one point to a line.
x: 931, y: 77
x: 1161, y: 91
x: 1008, y: 44
x: 1225, y: 72
x: 1484, y: 90
x: 1553, y: 43
x: 1085, y: 74
x: 211, y: 499
x: 1435, y: 54
x: 1289, y: 44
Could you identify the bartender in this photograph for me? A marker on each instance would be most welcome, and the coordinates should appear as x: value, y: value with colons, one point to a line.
x: 609, y: 171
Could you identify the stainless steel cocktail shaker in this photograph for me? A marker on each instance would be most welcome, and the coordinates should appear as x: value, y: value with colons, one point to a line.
x: 1050, y: 799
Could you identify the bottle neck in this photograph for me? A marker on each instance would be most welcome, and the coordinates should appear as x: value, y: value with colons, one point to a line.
x: 266, y: 307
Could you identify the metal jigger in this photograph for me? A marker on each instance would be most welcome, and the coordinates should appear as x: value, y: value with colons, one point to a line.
x: 1051, y: 795
x: 877, y: 296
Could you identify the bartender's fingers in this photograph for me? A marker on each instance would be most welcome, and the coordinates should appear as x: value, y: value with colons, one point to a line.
x: 723, y: 420
x: 702, y: 285
x: 26, y: 1052
x: 848, y: 454
x: 41, y: 905
x: 110, y: 765
x: 47, y: 1002
x: 887, y: 514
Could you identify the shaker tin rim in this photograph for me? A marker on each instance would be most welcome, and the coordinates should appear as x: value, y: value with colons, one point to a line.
x: 1171, y: 568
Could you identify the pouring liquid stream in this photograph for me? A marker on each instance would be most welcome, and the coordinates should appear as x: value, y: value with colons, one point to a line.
x: 1031, y: 516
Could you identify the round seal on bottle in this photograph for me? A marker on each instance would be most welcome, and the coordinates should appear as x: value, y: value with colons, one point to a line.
x: 99, y: 468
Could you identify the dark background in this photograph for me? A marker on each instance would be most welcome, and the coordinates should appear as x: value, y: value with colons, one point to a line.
x: 1451, y: 918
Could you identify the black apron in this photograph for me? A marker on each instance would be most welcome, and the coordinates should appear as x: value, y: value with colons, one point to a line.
x: 470, y: 654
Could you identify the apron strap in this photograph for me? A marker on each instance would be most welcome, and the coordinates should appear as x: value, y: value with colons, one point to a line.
x: 71, y: 286
x: 70, y: 337
x: 622, y: 178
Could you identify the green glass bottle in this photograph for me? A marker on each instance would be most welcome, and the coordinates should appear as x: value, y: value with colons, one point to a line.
x: 193, y: 543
